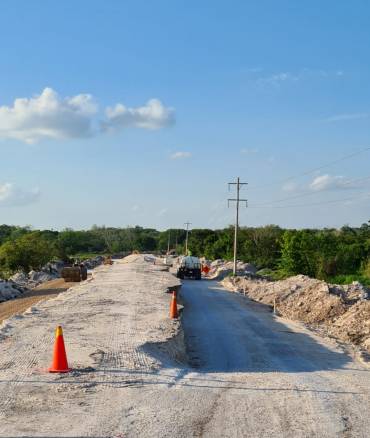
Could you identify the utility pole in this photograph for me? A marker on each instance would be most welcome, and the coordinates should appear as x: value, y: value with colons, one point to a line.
x: 187, y: 236
x: 168, y: 243
x: 238, y: 184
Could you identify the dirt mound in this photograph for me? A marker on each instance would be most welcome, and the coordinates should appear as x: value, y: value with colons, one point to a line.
x: 343, y: 311
x: 354, y: 325
x: 220, y: 269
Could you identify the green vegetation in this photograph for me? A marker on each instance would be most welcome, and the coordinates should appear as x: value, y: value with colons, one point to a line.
x: 334, y: 255
x: 26, y: 252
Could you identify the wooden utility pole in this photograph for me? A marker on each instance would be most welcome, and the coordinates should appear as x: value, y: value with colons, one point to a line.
x: 187, y: 237
x: 169, y: 241
x: 238, y: 184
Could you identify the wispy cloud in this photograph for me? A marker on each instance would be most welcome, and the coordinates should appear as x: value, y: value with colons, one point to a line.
x: 324, y: 183
x: 348, y: 116
x: 279, y: 78
x: 290, y: 187
x: 162, y: 212
x: 180, y: 155
x: 332, y: 182
x: 249, y: 151
x: 12, y: 195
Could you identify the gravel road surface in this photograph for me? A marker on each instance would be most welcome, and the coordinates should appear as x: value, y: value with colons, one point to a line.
x: 268, y: 377
x: 249, y: 374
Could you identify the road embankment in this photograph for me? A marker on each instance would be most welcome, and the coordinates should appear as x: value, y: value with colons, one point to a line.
x: 342, y: 312
x: 116, y: 330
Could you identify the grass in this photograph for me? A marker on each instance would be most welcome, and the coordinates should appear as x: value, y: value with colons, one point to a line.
x: 348, y: 279
x: 87, y: 255
x: 337, y: 279
x: 272, y: 274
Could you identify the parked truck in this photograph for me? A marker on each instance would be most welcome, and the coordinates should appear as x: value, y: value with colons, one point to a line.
x: 189, y: 266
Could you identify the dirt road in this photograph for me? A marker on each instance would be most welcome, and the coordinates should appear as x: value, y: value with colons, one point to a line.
x: 274, y: 378
x: 44, y: 291
x: 250, y: 375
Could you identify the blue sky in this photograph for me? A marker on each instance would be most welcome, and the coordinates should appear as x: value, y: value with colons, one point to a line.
x: 139, y: 113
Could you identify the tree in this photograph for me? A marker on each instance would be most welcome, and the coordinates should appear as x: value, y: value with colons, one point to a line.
x: 30, y: 251
x: 298, y: 253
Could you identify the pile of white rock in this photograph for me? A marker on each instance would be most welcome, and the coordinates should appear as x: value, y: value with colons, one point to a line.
x: 50, y: 271
x: 10, y: 290
x: 219, y: 269
x: 93, y: 262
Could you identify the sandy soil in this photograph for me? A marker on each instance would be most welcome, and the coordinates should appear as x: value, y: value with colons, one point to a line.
x: 42, y: 292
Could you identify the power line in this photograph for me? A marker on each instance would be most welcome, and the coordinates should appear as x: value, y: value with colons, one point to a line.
x: 308, y: 172
x: 310, y: 204
x: 302, y: 195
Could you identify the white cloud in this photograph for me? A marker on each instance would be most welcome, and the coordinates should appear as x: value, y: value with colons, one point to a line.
x: 345, y: 117
x: 47, y: 116
x: 12, y: 195
x: 331, y: 182
x: 153, y: 115
x: 180, y: 155
x: 135, y: 207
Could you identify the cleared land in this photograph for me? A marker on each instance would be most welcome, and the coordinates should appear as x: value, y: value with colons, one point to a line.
x: 246, y: 374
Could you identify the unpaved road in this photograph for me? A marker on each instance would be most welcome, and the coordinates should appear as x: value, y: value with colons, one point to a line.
x: 267, y: 377
x: 251, y: 375
x: 44, y: 291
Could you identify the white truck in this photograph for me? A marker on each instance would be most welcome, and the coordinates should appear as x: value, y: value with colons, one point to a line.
x: 189, y: 266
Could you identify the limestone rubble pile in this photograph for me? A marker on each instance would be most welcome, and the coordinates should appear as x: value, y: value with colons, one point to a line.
x: 220, y: 269
x: 342, y: 310
x: 93, y: 262
x: 9, y: 290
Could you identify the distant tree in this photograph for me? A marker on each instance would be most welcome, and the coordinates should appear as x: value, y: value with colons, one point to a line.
x: 261, y: 246
x: 30, y: 251
x: 297, y: 253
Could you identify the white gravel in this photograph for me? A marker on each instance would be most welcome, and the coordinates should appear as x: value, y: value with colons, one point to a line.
x: 257, y: 376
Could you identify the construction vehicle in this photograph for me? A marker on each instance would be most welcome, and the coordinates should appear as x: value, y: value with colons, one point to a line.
x: 189, y: 266
x: 75, y: 273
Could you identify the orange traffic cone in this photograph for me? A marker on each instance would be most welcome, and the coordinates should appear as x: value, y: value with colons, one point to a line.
x: 173, y: 307
x: 60, y: 364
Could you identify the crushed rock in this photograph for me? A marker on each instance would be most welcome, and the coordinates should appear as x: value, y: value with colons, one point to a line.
x: 220, y: 269
x: 342, y: 310
x: 9, y: 290
x: 50, y: 271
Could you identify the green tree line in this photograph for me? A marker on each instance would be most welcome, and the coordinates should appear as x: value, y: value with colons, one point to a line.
x: 331, y: 254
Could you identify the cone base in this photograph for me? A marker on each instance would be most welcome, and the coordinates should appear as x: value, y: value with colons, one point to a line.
x: 52, y: 370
